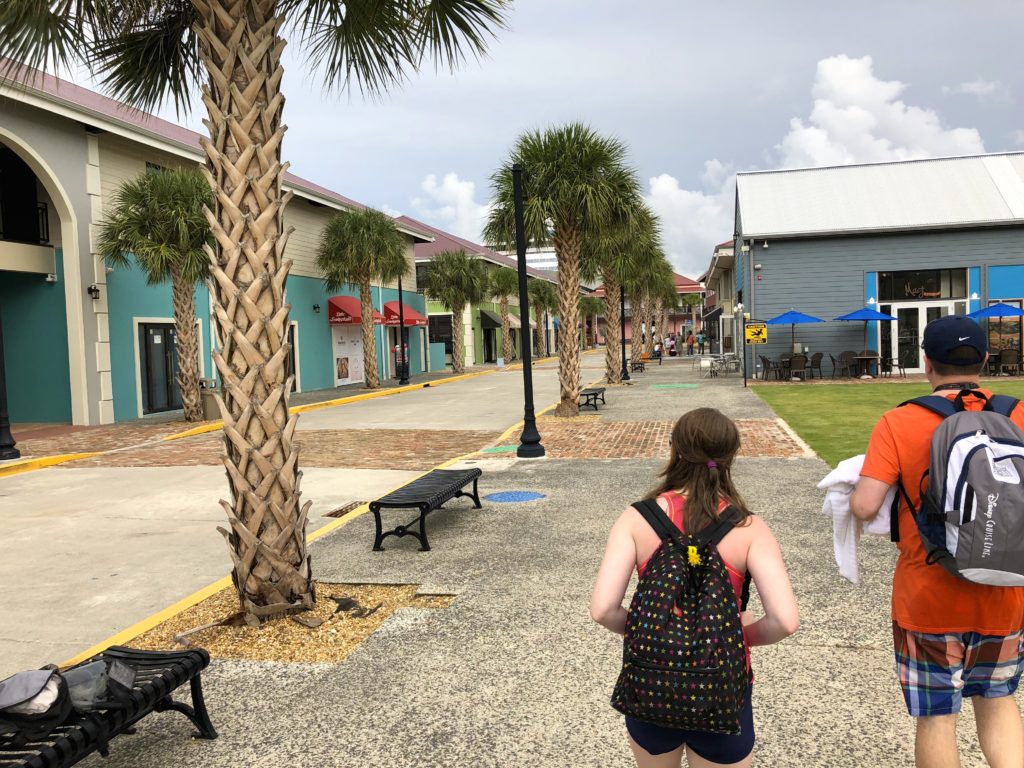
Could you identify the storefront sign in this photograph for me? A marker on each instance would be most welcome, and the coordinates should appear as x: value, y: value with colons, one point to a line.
x: 756, y: 333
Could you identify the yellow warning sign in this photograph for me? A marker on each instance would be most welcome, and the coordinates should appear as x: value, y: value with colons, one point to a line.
x: 756, y: 333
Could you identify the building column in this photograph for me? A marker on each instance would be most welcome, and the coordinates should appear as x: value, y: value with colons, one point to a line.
x: 100, y: 306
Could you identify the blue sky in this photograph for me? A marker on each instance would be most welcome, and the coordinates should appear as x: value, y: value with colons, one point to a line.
x: 696, y: 90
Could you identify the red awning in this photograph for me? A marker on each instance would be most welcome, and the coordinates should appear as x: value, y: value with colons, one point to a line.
x: 412, y: 317
x: 346, y: 310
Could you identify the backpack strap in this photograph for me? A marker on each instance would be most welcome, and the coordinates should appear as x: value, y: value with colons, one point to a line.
x: 718, y: 530
x: 937, y: 404
x: 1002, y: 404
x: 655, y: 516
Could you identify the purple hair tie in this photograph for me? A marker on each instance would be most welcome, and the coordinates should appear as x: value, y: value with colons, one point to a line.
x: 712, y: 465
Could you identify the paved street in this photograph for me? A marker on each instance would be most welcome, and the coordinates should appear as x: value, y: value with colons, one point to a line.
x: 130, y: 532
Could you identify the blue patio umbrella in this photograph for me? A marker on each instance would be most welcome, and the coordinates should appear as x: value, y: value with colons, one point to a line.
x: 999, y: 310
x: 866, y: 316
x: 793, y: 319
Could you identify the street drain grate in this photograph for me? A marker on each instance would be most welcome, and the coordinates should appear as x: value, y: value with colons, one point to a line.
x: 500, y: 449
x: 342, y: 511
x: 513, y: 497
x: 674, y: 386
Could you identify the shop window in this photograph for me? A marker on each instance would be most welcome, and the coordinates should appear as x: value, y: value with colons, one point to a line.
x: 1004, y: 332
x: 922, y: 285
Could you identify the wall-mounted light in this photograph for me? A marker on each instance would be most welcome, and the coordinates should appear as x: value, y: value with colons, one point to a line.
x: 757, y: 266
x: 94, y: 291
x: 871, y: 300
x: 51, y: 278
x: 765, y: 246
x: 975, y: 296
x: 316, y: 309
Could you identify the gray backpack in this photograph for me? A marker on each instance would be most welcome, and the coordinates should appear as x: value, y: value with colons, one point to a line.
x: 971, y: 518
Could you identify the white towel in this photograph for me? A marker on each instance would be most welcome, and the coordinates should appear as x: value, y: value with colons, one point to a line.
x: 847, y: 529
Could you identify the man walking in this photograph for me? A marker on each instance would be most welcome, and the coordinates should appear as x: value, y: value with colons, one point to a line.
x: 953, y: 638
x: 701, y: 341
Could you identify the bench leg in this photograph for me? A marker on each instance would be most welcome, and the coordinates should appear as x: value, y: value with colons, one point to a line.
x: 475, y: 495
x: 198, y: 714
x: 424, y: 546
x: 378, y: 538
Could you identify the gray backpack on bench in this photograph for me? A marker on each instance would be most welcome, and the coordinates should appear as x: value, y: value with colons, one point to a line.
x: 971, y: 518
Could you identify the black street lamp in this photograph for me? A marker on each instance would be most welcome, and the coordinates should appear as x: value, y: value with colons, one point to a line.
x: 622, y: 330
x: 529, y: 441
x: 7, y: 441
x: 547, y: 337
x: 403, y: 366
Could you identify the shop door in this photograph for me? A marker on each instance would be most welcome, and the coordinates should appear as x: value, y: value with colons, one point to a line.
x: 911, y: 320
x: 158, y: 361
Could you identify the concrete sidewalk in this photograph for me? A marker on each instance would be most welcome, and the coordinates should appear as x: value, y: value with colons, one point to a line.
x: 514, y: 673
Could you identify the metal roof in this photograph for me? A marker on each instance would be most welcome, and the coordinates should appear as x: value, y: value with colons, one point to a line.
x: 62, y: 97
x: 951, y: 192
x: 446, y: 241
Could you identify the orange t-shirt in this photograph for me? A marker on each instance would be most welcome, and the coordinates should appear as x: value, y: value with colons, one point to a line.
x: 927, y: 598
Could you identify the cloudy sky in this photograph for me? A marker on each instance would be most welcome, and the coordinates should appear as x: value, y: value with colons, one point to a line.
x: 696, y: 90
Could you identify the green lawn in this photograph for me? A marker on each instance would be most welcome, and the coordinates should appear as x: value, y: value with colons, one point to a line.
x: 836, y: 419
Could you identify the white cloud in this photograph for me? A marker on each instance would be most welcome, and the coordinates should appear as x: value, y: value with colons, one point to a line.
x: 982, y: 89
x: 451, y: 205
x: 858, y: 118
x: 693, y: 221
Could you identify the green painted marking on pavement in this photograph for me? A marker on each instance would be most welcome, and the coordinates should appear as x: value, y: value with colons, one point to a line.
x: 500, y: 449
x: 674, y: 386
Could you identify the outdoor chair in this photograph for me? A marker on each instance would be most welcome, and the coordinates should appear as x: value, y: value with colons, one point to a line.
x: 848, y: 363
x: 783, y: 365
x: 798, y: 367
x: 1009, y: 359
x: 815, y: 365
x: 885, y: 365
x: 768, y: 368
x: 707, y: 368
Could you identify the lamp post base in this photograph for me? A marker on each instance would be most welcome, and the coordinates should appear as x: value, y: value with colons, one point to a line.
x: 7, y: 454
x: 530, y: 450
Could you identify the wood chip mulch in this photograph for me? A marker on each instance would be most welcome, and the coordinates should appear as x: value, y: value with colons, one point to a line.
x: 285, y: 639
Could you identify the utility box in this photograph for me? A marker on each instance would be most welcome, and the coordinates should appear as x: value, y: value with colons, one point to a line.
x: 207, y: 387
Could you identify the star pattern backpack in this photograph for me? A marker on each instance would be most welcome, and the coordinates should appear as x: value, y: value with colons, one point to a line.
x: 684, y: 662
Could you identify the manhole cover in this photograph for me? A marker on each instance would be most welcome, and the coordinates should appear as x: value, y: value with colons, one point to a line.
x: 500, y: 449
x: 342, y: 511
x: 512, y: 497
x: 674, y: 386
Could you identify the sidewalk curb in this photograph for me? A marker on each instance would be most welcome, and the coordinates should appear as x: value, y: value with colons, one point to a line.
x: 28, y: 465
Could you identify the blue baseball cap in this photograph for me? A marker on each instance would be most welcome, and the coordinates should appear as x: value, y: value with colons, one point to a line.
x: 950, y: 340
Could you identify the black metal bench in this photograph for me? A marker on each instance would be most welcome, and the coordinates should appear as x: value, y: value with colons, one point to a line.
x: 590, y: 397
x: 426, y: 494
x: 157, y: 675
x: 636, y: 365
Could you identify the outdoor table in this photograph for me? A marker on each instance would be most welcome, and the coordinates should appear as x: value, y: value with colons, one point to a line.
x: 783, y: 367
x: 864, y: 364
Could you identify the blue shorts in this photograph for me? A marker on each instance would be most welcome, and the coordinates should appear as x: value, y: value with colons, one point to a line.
x: 713, y: 747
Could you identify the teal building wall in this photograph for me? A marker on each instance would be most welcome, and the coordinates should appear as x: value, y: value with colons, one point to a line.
x: 35, y: 331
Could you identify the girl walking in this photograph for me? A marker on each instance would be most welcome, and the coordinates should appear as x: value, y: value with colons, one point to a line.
x: 696, y: 487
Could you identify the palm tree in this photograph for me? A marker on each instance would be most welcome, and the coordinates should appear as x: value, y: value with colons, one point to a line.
x: 456, y: 279
x: 611, y: 253
x: 503, y: 283
x: 145, y: 50
x: 646, y: 278
x: 575, y: 181
x: 590, y: 308
x: 158, y: 217
x: 543, y: 298
x: 360, y: 248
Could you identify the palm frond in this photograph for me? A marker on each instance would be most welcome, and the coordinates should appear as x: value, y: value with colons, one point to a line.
x: 455, y: 279
x: 360, y: 246
x: 154, y: 56
x: 376, y: 44
x: 503, y: 282
x: 44, y: 35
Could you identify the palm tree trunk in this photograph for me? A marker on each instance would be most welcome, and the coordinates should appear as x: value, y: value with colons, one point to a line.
x: 651, y: 307
x: 636, y: 347
x: 506, y: 336
x: 538, y: 332
x: 458, y: 340
x: 241, y: 51
x: 369, y: 340
x: 567, y: 252
x: 612, y: 355
x: 183, y: 297
x: 659, y: 322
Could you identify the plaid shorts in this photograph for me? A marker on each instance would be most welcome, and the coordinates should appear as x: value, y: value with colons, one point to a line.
x: 936, y: 672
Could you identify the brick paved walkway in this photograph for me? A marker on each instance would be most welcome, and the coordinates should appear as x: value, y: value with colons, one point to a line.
x: 351, y: 448
x: 58, y: 439
x: 592, y: 437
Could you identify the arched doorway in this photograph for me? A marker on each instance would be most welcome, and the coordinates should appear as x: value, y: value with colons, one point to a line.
x: 36, y: 231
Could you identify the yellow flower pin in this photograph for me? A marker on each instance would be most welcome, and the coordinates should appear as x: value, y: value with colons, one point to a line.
x: 692, y: 556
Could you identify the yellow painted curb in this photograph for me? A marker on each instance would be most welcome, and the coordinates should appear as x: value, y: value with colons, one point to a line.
x: 341, y: 401
x: 29, y: 465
